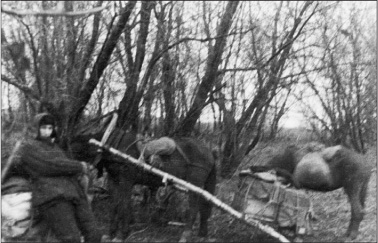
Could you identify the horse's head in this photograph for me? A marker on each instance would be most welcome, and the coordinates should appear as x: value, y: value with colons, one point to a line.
x: 81, y: 148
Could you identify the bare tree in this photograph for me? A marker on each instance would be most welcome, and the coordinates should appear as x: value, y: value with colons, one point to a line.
x: 169, y: 68
x: 61, y: 10
x: 254, y: 115
x: 345, y: 95
x: 215, y: 57
x: 129, y: 104
x: 59, y: 64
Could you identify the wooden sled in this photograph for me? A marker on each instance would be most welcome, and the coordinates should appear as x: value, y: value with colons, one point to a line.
x: 262, y: 197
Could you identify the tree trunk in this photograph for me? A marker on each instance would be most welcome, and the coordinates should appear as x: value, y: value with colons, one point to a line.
x: 129, y: 105
x: 101, y: 63
x: 168, y: 78
x: 265, y: 93
x: 215, y: 58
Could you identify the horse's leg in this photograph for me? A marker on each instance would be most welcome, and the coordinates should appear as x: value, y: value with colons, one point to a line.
x: 205, y: 212
x: 354, y: 191
x: 125, y: 207
x: 205, y: 206
x: 311, y: 210
x: 114, y: 202
x: 363, y: 193
x: 198, y: 177
x: 194, y: 201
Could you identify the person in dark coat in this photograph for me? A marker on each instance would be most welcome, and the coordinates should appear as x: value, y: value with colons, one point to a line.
x: 57, y: 196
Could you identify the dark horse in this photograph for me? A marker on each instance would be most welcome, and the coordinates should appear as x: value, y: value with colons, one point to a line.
x: 197, y: 168
x: 326, y: 169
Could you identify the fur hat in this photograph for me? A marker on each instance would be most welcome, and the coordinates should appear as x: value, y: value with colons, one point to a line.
x: 47, y: 120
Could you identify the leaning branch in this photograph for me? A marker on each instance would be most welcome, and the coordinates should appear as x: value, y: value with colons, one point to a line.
x: 208, y: 196
x: 102, y: 61
x: 52, y: 13
x: 25, y: 89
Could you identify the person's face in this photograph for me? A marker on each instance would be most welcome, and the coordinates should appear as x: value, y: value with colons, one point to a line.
x: 45, y: 131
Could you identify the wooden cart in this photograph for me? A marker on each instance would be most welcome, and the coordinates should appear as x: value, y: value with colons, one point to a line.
x: 261, y: 196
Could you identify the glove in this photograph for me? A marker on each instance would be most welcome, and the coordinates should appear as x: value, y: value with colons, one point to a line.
x: 84, y: 182
x: 86, y: 167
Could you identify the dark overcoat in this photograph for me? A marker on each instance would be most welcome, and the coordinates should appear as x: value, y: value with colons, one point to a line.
x: 52, y: 175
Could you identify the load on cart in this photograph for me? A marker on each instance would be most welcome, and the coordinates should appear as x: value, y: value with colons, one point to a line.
x: 265, y: 197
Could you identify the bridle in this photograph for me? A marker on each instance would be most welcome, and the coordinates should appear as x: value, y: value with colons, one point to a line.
x: 105, y: 137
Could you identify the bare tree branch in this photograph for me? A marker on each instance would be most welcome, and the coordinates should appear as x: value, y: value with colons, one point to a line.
x: 209, y: 78
x: 24, y: 88
x: 52, y: 13
x: 91, y: 45
x: 101, y: 62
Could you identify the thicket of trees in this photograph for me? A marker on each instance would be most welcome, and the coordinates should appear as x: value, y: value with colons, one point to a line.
x: 170, y: 67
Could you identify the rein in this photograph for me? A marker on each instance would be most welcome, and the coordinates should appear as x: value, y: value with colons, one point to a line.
x: 109, y: 130
x: 137, y: 140
x: 179, y: 149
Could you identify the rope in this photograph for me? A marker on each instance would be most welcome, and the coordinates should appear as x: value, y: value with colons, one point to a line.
x: 137, y: 140
x: 277, y: 197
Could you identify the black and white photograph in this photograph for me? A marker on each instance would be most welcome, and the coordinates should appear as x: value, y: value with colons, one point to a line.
x: 188, y: 121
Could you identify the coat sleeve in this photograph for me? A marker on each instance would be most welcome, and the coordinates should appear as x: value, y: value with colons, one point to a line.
x: 40, y: 161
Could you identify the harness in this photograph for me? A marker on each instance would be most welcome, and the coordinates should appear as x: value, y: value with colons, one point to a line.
x: 109, y: 130
x: 181, y: 152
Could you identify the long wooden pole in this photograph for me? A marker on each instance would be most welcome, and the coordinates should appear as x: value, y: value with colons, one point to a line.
x: 208, y: 196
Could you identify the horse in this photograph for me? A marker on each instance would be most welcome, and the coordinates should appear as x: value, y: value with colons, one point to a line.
x: 194, y: 163
x: 326, y: 169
